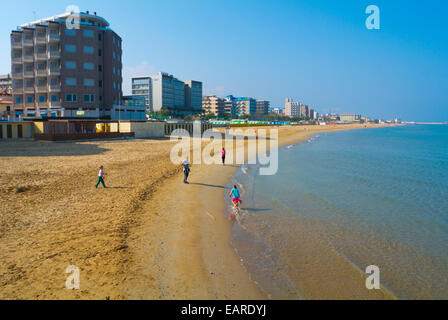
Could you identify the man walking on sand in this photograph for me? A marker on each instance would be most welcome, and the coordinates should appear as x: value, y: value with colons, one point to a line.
x: 101, y: 175
x: 186, y: 167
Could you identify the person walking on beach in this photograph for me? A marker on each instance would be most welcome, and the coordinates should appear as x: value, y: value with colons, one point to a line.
x: 235, y: 195
x: 186, y: 167
x: 223, y: 156
x: 101, y: 175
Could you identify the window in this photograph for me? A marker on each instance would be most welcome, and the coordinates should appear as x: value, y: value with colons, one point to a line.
x: 100, y: 83
x: 70, y: 32
x: 70, y: 81
x: 89, y: 98
x: 101, y: 98
x: 70, y: 98
x: 88, y: 33
x: 99, y: 37
x: 88, y: 50
x: 42, y: 98
x: 29, y: 99
x: 113, y: 40
x: 70, y: 65
x: 18, y: 99
x: 70, y: 48
x: 114, y: 55
x: 89, y: 82
x: 54, y: 98
x: 100, y: 68
x: 100, y: 53
x: 89, y: 66
x: 115, y: 86
x: 114, y: 70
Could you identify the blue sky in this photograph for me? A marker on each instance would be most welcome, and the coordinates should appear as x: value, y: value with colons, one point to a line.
x: 318, y: 52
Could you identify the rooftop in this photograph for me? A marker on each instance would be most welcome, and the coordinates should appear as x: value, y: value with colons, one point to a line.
x: 61, y: 17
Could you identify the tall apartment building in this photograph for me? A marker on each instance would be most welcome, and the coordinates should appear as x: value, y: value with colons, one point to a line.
x: 142, y: 87
x: 179, y: 97
x: 213, y: 105
x: 193, y: 96
x: 304, y: 111
x: 262, y: 107
x: 65, y: 72
x: 292, y: 109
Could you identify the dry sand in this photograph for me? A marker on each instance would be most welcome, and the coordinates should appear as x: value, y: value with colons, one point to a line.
x: 148, y: 236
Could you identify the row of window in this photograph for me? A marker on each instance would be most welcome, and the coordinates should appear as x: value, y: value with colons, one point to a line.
x: 30, y: 99
x: 90, y: 34
x: 89, y: 83
x: 71, y: 48
x: 87, y: 66
x: 88, y: 98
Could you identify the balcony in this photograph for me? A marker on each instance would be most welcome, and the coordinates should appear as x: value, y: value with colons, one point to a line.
x: 28, y: 42
x: 41, y: 40
x: 41, y: 73
x: 52, y: 37
x: 55, y: 88
x: 17, y: 75
x: 29, y: 90
x: 43, y: 104
x: 54, y: 55
x: 41, y: 89
x: 16, y: 60
x: 40, y: 56
x: 30, y: 105
x: 16, y: 44
x: 28, y: 58
x: 28, y: 74
x: 54, y: 72
x: 17, y: 91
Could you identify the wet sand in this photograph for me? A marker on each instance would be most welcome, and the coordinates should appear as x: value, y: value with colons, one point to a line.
x: 148, y: 237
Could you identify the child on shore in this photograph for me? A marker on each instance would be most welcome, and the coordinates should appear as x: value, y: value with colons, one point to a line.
x: 101, y: 175
x: 235, y: 195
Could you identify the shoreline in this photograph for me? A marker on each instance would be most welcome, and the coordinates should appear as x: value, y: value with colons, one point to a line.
x: 207, y: 253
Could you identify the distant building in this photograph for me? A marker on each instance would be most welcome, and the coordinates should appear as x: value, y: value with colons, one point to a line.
x: 142, y: 87
x: 278, y: 111
x: 292, y: 109
x: 180, y: 98
x: 5, y: 84
x: 213, y: 105
x: 229, y: 105
x: 304, y: 111
x: 245, y: 106
x: 130, y: 108
x: 193, y: 96
x: 349, y: 117
x: 262, y: 107
x: 61, y: 72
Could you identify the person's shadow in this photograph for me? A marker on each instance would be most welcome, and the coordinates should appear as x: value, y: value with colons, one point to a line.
x: 207, y: 185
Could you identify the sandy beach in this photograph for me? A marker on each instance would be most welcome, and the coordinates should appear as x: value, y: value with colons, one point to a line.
x: 147, y: 236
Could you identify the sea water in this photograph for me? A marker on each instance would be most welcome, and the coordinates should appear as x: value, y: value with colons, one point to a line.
x: 374, y: 196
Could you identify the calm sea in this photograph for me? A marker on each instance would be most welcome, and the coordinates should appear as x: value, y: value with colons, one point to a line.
x: 374, y: 196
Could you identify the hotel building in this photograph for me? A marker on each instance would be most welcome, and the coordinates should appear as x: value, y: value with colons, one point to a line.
x: 292, y: 109
x: 245, y: 106
x: 64, y: 72
x: 213, y: 105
